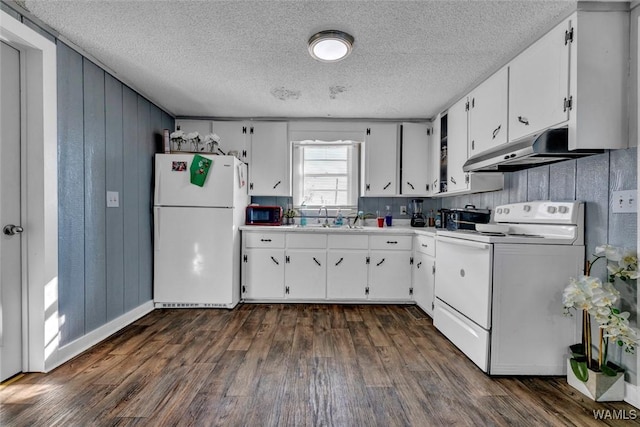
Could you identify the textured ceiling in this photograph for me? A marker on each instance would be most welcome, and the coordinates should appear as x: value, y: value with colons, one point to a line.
x: 250, y: 59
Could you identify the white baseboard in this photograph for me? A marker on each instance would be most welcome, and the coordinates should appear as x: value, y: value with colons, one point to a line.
x: 74, y: 348
x: 631, y: 394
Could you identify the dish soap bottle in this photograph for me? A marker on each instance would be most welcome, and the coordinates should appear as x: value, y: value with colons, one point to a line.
x: 388, y: 217
x: 339, y: 219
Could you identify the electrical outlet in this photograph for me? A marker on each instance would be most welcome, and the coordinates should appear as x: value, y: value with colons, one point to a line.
x: 113, y: 199
x: 403, y: 210
x: 625, y: 201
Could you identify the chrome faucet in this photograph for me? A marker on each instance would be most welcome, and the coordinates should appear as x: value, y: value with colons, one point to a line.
x: 326, y: 215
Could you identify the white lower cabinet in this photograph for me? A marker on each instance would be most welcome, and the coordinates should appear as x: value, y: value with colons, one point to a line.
x: 346, y: 274
x: 303, y: 266
x: 263, y: 274
x: 305, y: 274
x: 424, y: 264
x: 390, y: 275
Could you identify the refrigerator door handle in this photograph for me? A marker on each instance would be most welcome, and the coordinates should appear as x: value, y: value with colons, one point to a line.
x: 156, y: 228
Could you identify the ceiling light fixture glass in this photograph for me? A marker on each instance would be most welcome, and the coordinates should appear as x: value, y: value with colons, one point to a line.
x: 330, y: 45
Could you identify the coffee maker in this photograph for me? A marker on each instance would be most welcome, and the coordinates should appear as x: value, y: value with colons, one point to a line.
x: 417, y: 217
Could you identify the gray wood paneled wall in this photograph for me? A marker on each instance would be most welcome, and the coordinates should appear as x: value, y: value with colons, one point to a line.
x: 107, y: 135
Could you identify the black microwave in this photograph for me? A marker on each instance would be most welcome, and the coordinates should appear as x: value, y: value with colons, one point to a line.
x: 263, y: 215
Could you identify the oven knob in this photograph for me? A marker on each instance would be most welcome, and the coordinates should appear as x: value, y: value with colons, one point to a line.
x: 526, y: 208
x: 499, y: 211
x: 506, y: 211
x: 563, y: 209
x: 551, y: 209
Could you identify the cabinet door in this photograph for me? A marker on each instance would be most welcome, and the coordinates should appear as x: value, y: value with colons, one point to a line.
x: 538, y: 85
x: 381, y: 160
x: 435, y: 155
x: 306, y: 274
x: 488, y: 113
x: 233, y: 137
x: 263, y: 276
x: 416, y: 170
x: 457, y: 146
x: 346, y: 274
x: 269, y: 168
x: 423, y: 282
x: 390, y: 275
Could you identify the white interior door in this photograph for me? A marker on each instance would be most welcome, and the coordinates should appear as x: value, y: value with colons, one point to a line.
x: 10, y: 238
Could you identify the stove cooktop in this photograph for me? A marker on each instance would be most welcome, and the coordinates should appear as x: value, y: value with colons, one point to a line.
x: 513, y: 238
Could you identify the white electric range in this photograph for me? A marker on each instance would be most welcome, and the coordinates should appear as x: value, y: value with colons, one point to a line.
x: 499, y: 295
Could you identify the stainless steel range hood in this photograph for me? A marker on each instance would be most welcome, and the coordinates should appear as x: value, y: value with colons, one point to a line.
x: 547, y: 147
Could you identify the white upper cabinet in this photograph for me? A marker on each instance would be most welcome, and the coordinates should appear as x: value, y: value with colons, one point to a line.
x: 435, y: 151
x: 381, y: 160
x: 457, y: 146
x: 539, y: 84
x: 269, y: 170
x: 416, y: 159
x: 488, y: 114
x: 576, y: 76
x: 234, y: 136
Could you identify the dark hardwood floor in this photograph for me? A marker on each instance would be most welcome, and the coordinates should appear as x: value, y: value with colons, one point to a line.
x: 289, y: 365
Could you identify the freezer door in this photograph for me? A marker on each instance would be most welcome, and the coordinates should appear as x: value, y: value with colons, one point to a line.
x: 173, y: 184
x: 196, y: 256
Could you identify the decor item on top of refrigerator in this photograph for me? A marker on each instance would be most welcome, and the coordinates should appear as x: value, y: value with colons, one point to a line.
x: 196, y: 235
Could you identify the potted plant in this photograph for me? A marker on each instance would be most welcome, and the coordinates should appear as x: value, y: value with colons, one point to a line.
x: 177, y: 139
x: 601, y: 379
x: 211, y: 141
x: 194, y: 139
x: 289, y: 216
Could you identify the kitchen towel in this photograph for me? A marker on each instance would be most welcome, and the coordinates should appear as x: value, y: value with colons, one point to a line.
x: 199, y: 169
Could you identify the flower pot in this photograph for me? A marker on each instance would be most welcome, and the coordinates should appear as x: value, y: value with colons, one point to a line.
x: 599, y: 387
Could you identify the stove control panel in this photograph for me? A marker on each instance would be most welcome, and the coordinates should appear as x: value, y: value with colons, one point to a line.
x: 540, y: 212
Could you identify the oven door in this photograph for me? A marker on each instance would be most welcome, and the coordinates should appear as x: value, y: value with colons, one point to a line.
x: 464, y: 277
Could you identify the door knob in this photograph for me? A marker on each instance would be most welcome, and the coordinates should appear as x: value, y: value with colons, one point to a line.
x: 11, y: 229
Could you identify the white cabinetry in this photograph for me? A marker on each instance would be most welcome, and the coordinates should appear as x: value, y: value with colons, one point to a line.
x: 263, y: 266
x: 269, y: 171
x: 424, y: 272
x: 539, y: 83
x: 234, y: 136
x: 347, y: 266
x: 305, y: 269
x: 390, y: 267
x: 416, y: 159
x: 381, y: 160
x: 457, y: 146
x: 575, y: 75
x: 488, y: 114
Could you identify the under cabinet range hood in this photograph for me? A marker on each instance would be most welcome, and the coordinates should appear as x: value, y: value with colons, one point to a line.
x: 543, y: 148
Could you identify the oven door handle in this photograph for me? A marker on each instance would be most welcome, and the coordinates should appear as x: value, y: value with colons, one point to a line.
x: 462, y: 242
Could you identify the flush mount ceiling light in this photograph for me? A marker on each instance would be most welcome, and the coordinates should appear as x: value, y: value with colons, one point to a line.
x: 330, y: 46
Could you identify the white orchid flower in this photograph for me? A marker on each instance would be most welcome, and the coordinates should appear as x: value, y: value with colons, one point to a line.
x: 177, y: 134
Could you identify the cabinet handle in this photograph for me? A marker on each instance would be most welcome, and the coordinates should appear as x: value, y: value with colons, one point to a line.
x: 473, y: 144
x: 392, y: 242
x: 275, y: 260
x: 419, y: 264
x: 265, y: 240
x: 317, y: 262
x: 453, y: 180
x: 386, y: 186
x: 523, y: 120
x: 286, y: 290
x: 423, y: 245
x: 496, y: 131
x: 411, y: 185
x: 339, y: 261
x: 378, y: 264
x: 277, y: 183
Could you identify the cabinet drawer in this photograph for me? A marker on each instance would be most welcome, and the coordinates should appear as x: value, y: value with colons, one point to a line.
x: 426, y: 245
x: 348, y: 241
x: 264, y: 240
x: 306, y: 240
x: 389, y: 241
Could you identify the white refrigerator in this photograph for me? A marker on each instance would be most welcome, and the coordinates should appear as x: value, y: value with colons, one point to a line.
x: 196, y: 237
